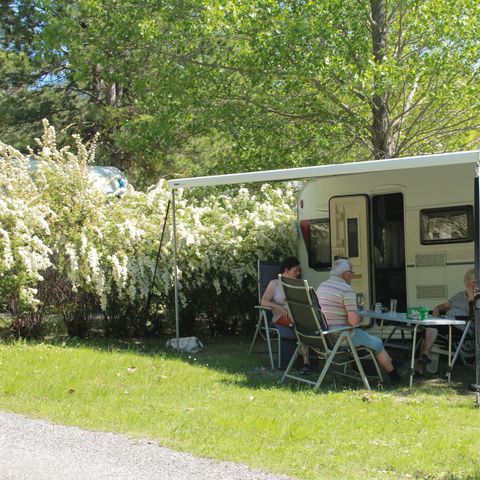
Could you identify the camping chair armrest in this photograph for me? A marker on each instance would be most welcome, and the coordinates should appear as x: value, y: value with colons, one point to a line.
x: 338, y: 329
x: 259, y: 307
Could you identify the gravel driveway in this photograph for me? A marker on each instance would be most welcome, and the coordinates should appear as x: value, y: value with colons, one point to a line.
x: 39, y: 450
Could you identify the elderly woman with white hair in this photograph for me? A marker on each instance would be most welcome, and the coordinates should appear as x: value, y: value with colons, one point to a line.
x: 460, y: 305
x: 338, y: 301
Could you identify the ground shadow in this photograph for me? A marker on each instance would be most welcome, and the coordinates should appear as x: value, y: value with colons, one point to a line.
x: 231, y: 355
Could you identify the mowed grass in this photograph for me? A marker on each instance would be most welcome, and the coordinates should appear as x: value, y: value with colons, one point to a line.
x: 224, y: 404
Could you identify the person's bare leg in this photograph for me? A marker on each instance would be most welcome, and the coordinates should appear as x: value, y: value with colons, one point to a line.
x: 304, y: 351
x: 385, y: 360
x: 419, y: 368
x: 431, y: 335
x: 306, y: 360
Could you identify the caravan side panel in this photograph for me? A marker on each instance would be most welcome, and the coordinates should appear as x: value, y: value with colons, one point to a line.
x: 434, y: 271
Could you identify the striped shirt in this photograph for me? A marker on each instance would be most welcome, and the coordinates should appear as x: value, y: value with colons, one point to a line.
x: 336, y: 297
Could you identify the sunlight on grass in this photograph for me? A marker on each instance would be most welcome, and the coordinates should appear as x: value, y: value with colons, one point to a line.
x: 222, y: 404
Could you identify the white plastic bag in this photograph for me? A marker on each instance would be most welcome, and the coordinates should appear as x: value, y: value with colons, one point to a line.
x: 185, y: 344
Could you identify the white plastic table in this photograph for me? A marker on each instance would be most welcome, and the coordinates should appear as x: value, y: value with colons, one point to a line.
x: 400, y: 320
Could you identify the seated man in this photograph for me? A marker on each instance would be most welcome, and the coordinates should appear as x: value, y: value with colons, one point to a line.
x: 338, y: 301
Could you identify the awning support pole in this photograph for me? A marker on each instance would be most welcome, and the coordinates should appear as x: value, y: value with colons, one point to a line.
x: 152, y: 283
x: 477, y: 284
x: 175, y: 273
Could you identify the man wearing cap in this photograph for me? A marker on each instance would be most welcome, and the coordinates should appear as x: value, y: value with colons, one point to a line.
x: 338, y: 301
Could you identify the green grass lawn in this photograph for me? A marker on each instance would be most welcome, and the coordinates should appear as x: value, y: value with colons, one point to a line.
x: 224, y: 404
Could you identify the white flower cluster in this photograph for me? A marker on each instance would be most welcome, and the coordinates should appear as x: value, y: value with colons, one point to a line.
x: 107, y: 246
x: 24, y: 229
x: 221, y: 237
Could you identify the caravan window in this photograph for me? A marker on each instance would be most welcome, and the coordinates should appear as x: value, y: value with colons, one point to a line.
x: 446, y: 225
x: 316, y: 235
x: 352, y: 234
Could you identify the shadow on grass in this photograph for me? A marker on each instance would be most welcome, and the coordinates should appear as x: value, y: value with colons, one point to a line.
x: 230, y: 355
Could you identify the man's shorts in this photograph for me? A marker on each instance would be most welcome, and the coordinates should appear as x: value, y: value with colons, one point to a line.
x: 360, y: 338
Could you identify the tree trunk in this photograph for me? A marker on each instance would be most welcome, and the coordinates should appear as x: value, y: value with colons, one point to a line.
x: 111, y: 94
x: 119, y: 93
x: 382, y: 141
x: 96, y: 84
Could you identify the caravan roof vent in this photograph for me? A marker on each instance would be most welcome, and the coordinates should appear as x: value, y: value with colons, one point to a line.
x: 431, y: 291
x: 431, y: 260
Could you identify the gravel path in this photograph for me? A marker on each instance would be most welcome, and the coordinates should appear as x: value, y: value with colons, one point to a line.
x: 39, y: 450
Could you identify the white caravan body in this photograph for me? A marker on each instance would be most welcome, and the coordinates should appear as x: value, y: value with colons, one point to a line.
x: 106, y: 179
x: 407, y: 227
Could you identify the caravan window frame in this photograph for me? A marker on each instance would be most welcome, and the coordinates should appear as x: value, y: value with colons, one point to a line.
x: 427, y: 214
x: 319, y: 266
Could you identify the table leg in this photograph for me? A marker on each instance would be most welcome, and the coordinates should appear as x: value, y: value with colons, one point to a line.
x: 412, y: 362
x: 390, y: 336
x: 449, y: 369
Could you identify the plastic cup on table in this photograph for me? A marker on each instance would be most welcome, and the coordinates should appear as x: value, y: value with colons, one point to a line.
x: 393, y: 305
x: 360, y: 301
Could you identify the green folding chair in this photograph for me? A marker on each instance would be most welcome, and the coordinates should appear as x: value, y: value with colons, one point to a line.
x: 333, y: 346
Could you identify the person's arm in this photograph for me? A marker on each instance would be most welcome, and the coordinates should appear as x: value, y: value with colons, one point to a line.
x: 267, y: 300
x: 441, y: 309
x: 353, y: 318
x: 470, y: 294
x: 350, y: 304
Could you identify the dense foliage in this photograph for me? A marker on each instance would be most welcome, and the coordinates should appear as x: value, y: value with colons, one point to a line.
x: 187, y: 88
x: 67, y: 246
x: 219, y: 86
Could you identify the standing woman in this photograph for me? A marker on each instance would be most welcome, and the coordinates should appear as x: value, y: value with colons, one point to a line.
x: 273, y: 298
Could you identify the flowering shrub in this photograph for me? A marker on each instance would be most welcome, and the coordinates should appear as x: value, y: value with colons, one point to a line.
x: 24, y: 241
x: 220, y: 238
x: 100, y: 250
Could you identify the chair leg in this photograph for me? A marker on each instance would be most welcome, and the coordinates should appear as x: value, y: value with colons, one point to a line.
x: 328, y: 362
x: 377, y: 368
x: 279, y: 346
x: 290, y: 364
x: 257, y: 330
x: 358, y: 362
x: 460, y: 345
x: 263, y: 320
x: 269, y: 344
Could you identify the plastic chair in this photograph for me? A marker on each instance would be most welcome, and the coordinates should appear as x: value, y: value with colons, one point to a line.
x: 265, y: 329
x: 333, y: 346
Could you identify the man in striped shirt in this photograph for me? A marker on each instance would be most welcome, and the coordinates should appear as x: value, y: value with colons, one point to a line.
x: 338, y: 301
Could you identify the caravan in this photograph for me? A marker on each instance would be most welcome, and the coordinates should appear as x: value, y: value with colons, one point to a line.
x: 406, y: 224
x: 107, y: 180
x: 409, y: 225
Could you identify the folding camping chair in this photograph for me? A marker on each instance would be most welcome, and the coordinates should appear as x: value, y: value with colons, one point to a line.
x: 265, y: 329
x: 463, y: 345
x: 332, y: 345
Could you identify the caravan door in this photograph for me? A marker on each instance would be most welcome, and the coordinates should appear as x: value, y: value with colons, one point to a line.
x: 349, y: 230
